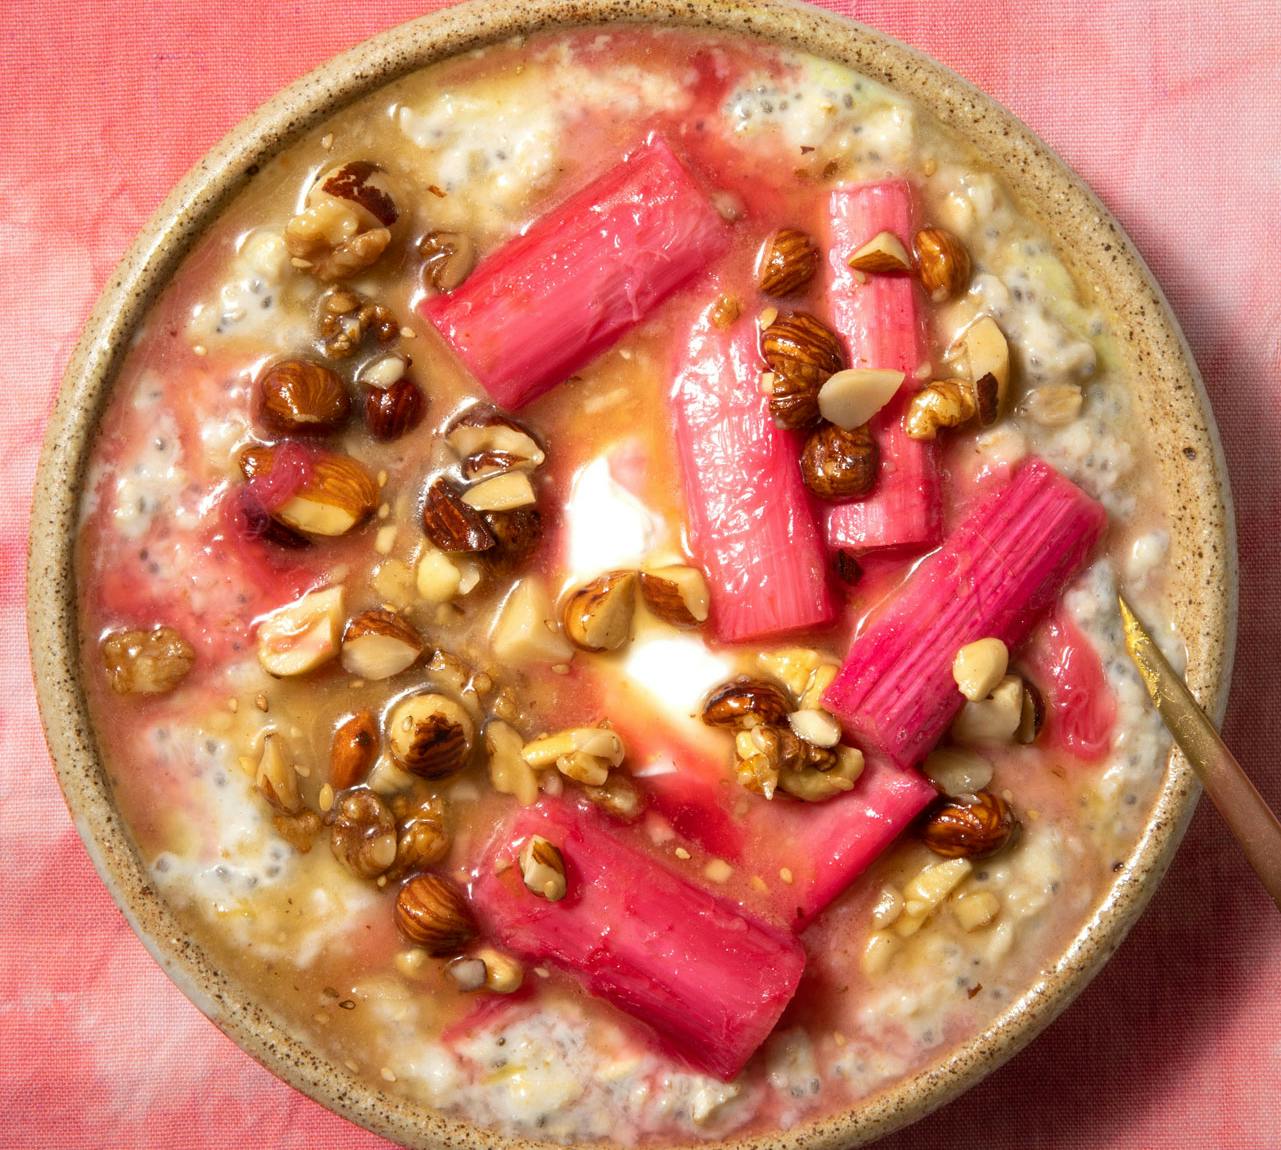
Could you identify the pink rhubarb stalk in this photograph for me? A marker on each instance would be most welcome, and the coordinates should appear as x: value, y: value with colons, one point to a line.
x: 995, y: 575
x: 879, y: 317
x: 708, y: 979
x: 582, y: 275
x: 752, y: 524
x: 1080, y: 710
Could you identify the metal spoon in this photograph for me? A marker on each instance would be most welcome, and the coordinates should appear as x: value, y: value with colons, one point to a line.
x: 1248, y: 817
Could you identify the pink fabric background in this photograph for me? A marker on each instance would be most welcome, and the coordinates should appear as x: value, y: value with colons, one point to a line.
x: 1172, y: 111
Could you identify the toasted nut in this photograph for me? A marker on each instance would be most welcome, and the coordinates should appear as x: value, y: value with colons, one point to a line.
x: 764, y: 754
x: 887, y: 908
x: 430, y: 735
x: 969, y: 826
x: 346, y: 317
x: 583, y: 768
x: 787, y: 262
x: 942, y: 263
x: 950, y: 403
x: 392, y: 411
x: 851, y: 397
x: 509, y: 774
x: 448, y: 258
x: 1031, y: 715
x: 146, y: 662
x: 452, y: 524
x: 677, y: 594
x: 815, y: 726
x: 988, y: 353
x: 362, y: 833
x: 378, y: 644
x: 422, y: 838
x: 745, y: 703
x: 437, y: 577
x: 883, y: 254
x: 957, y: 772
x: 927, y: 890
x: 517, y: 535
x: 275, y: 778
x: 725, y: 311
x: 384, y: 371
x: 299, y: 397
x: 598, y: 742
x: 543, y: 868
x: 980, y: 666
x: 506, y: 491
x: 878, y: 952
x: 977, y: 910
x: 302, y: 635
x: 335, y: 495
x: 298, y: 830
x: 802, y: 354
x: 994, y: 719
x: 353, y: 750
x: 468, y: 973
x: 794, y: 667
x: 489, y: 441
x: 598, y: 616
x: 837, y: 464
x: 526, y: 629
x: 827, y: 779
x: 1053, y: 404
x: 363, y: 184
x: 347, y: 222
x: 432, y: 912
x: 503, y: 974
x: 816, y: 687
x: 617, y: 796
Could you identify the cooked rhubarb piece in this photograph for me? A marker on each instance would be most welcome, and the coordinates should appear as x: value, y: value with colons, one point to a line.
x: 995, y: 575
x: 551, y: 299
x: 1080, y: 710
x: 879, y: 318
x: 709, y: 980
x: 752, y: 523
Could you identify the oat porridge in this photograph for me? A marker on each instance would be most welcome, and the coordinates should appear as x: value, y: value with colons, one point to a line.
x: 598, y: 589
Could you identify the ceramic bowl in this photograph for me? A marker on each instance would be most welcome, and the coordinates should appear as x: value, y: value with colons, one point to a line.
x: 1169, y: 393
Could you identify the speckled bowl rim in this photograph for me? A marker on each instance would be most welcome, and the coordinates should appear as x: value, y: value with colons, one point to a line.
x: 1190, y: 462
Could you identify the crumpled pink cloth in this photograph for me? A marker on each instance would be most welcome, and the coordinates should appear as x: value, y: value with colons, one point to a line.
x: 1172, y: 111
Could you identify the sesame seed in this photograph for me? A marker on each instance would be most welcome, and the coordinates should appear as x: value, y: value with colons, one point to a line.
x: 327, y: 141
x: 200, y: 349
x: 407, y: 333
x: 260, y: 701
x: 682, y: 853
x: 387, y: 1075
x: 786, y: 874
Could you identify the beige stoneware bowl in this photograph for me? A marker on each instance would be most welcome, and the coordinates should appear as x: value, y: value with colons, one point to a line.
x: 1170, y: 394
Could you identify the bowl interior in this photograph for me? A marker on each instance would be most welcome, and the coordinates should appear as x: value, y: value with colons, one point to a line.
x: 1169, y: 393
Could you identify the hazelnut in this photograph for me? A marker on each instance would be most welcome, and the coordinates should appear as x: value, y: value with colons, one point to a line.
x: 957, y: 772
x: 1031, y: 715
x: 994, y: 719
x: 526, y: 629
x: 392, y: 411
x: 344, y: 319
x: 432, y: 912
x: 275, y: 778
x: 979, y: 667
x: 146, y: 662
x: 448, y: 258
x: 969, y: 826
x: 837, y: 464
x: 787, y: 262
x: 299, y: 397
x: 587, y: 751
x: 676, y: 594
x: 598, y: 616
x: 362, y: 833
x: 883, y: 254
x: 542, y: 867
x: 509, y: 773
x: 303, y: 635
x: 489, y: 441
x: 353, y: 750
x: 503, y: 974
x: 379, y: 644
x: 942, y: 263
x: 451, y: 523
x: 517, y: 535
x: 618, y: 796
x: 801, y: 354
x: 745, y: 703
x: 430, y: 735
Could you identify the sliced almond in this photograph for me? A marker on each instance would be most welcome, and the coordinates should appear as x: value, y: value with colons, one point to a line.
x: 987, y: 353
x: 302, y: 635
x: 526, y: 630
x: 506, y: 491
x: 815, y: 726
x: 336, y: 495
x: 598, y: 616
x: 379, y: 644
x: 851, y: 397
x: 883, y: 254
x: 677, y: 594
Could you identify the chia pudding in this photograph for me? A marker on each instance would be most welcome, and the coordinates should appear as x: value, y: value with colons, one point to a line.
x: 598, y: 589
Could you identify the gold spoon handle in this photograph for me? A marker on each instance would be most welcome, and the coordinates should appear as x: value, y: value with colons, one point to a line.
x: 1249, y: 818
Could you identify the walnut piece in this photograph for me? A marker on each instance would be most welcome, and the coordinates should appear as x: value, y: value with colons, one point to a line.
x: 346, y: 317
x: 146, y: 662
x: 362, y: 833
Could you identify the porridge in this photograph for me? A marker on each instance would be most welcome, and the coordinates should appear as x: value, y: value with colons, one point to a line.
x: 598, y: 589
